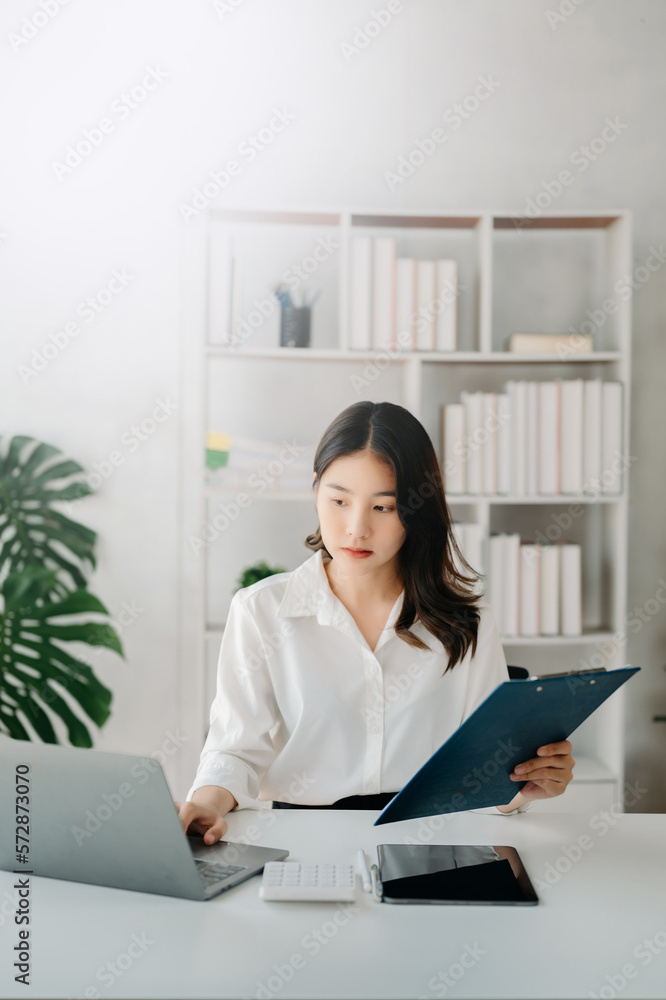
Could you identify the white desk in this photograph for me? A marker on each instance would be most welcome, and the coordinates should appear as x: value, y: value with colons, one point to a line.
x: 588, y: 924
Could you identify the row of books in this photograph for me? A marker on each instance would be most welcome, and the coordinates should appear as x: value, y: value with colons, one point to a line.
x: 249, y: 465
x: 535, y: 438
x: 533, y: 589
x: 400, y: 303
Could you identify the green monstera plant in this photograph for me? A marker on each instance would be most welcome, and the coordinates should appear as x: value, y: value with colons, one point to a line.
x: 46, y: 612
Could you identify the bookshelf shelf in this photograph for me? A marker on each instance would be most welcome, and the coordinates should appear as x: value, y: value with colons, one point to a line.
x: 455, y: 357
x: 549, y: 273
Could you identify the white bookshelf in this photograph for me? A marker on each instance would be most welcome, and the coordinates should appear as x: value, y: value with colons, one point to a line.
x: 515, y: 277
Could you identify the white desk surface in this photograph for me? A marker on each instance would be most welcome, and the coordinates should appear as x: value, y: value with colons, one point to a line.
x: 606, y: 912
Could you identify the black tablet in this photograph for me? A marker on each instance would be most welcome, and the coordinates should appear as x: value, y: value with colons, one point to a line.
x: 453, y: 873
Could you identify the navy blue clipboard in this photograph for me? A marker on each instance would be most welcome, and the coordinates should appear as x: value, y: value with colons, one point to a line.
x: 471, y: 770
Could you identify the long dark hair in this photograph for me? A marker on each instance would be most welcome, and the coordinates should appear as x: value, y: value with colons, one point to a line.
x: 436, y: 591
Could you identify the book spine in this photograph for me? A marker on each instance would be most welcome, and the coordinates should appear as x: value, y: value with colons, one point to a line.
x: 611, y: 438
x: 570, y: 592
x: 592, y: 443
x: 532, y: 425
x: 489, y: 444
x: 405, y: 304
x: 425, y: 299
x: 360, y: 298
x: 571, y: 436
x: 511, y: 609
x: 446, y: 306
x: 549, y: 437
x: 453, y: 437
x: 383, y: 293
x: 550, y: 590
x: 530, y: 586
x: 473, y: 403
x: 517, y: 402
x: 503, y: 443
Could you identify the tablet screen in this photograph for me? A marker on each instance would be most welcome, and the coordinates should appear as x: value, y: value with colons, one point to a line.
x: 453, y: 873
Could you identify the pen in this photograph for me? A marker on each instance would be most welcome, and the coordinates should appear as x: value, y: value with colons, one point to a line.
x: 363, y: 871
x: 377, y: 891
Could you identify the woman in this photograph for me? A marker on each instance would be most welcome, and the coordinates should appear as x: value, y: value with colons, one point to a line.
x: 338, y: 680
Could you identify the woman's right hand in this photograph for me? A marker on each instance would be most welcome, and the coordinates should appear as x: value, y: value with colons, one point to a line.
x: 197, y: 818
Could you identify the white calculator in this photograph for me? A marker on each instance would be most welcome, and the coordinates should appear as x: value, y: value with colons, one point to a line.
x: 309, y: 881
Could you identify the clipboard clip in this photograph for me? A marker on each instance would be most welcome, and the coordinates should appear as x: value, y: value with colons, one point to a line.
x: 567, y: 673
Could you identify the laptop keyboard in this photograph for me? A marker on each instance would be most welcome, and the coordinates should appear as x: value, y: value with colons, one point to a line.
x: 212, y: 872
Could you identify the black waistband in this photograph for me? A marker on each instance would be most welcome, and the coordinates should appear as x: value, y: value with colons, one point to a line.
x: 378, y: 801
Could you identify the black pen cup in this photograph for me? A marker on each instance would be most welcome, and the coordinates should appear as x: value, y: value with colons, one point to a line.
x: 295, y: 326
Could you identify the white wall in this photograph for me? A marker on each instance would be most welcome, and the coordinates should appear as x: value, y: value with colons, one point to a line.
x: 227, y: 66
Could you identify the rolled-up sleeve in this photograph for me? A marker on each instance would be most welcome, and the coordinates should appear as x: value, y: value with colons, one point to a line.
x: 239, y: 748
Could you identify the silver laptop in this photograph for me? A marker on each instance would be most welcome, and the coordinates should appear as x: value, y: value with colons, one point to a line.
x: 108, y: 819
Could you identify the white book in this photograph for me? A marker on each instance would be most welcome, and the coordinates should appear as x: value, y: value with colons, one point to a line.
x: 383, y: 292
x: 360, y: 293
x: 611, y: 438
x: 572, y: 432
x: 517, y: 392
x: 549, y: 438
x: 530, y: 587
x: 405, y: 302
x: 496, y: 585
x: 571, y: 614
x: 453, y: 447
x: 473, y: 403
x: 503, y: 443
x: 592, y: 437
x: 489, y: 444
x: 446, y: 335
x: 511, y: 598
x: 532, y: 438
x: 426, y: 271
x: 550, y: 590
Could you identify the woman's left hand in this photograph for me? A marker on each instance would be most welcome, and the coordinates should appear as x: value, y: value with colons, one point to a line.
x: 547, y: 774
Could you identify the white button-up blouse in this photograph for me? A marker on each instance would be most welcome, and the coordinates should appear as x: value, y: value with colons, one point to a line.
x: 306, y: 712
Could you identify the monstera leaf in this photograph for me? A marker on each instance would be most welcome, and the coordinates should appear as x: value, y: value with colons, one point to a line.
x: 36, y: 667
x: 32, y: 531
